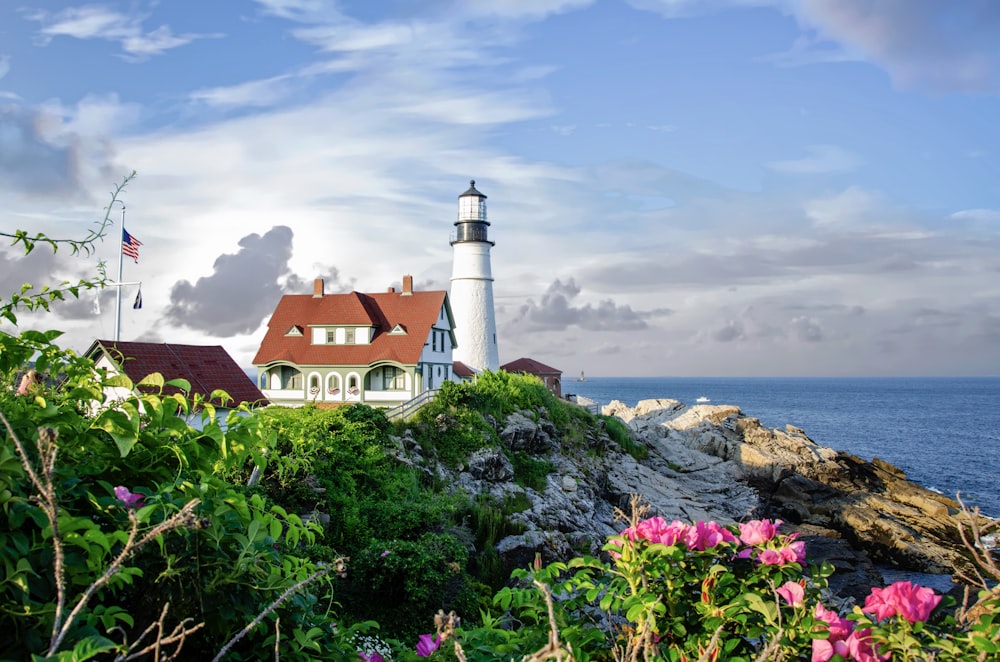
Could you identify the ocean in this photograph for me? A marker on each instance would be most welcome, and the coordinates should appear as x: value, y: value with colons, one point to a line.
x: 944, y: 433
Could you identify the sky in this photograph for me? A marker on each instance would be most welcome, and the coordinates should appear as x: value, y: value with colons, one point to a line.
x: 675, y: 187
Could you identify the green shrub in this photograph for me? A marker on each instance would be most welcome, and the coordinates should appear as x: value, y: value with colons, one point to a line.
x: 621, y: 435
x: 529, y: 471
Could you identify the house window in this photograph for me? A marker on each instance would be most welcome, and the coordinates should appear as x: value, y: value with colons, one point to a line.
x: 331, y: 336
x: 393, y: 379
x: 349, y: 336
x: 295, y: 381
x: 314, y: 382
x: 434, y: 340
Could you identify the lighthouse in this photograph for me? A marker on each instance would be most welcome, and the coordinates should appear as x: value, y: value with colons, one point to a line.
x: 472, y: 285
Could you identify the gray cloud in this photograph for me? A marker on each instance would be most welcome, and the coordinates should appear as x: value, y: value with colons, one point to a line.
x: 806, y: 329
x: 555, y: 312
x: 244, y: 288
x: 43, y: 268
x: 730, y: 331
x: 938, y: 44
x: 30, y: 161
x: 945, y: 45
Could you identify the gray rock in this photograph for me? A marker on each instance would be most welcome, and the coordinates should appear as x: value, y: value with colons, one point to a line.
x: 521, y: 433
x: 490, y: 464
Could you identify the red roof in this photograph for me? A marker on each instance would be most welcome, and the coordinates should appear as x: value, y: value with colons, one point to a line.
x: 414, y: 312
x: 530, y: 366
x: 462, y: 370
x: 206, y: 368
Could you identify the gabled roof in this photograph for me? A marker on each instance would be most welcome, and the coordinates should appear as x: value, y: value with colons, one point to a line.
x: 207, y: 368
x: 530, y: 366
x: 462, y: 370
x: 414, y: 312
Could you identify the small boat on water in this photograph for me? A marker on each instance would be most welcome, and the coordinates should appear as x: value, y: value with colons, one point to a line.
x: 702, y: 400
x: 582, y: 379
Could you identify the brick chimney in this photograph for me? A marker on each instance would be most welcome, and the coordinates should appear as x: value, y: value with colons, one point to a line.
x: 407, y: 285
x: 318, y: 288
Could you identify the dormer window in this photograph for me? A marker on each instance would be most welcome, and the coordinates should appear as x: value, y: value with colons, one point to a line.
x: 398, y: 330
x: 294, y: 331
x: 331, y: 336
x: 349, y: 336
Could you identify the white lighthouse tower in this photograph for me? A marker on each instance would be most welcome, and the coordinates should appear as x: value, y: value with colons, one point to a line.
x: 472, y: 285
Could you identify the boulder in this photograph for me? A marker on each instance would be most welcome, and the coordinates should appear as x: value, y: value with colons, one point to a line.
x: 490, y: 464
x: 521, y: 433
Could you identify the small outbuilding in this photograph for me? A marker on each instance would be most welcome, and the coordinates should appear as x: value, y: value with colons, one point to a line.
x: 206, y: 368
x: 551, y: 377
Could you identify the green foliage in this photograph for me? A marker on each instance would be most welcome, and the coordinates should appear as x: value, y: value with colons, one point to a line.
x: 490, y: 522
x: 620, y: 434
x: 399, y: 579
x: 529, y: 471
x: 233, y: 557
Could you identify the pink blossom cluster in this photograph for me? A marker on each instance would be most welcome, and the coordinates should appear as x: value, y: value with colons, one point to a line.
x: 766, y: 547
x: 844, y: 640
x: 427, y: 644
x: 698, y: 536
x: 912, y: 602
x: 129, y: 499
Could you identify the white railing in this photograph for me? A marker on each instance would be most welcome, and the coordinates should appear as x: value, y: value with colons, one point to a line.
x: 410, y: 407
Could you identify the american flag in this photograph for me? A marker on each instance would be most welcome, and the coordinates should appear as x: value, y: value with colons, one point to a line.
x: 130, y: 246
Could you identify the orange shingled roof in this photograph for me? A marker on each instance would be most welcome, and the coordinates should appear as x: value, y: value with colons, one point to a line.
x: 206, y: 368
x: 416, y: 312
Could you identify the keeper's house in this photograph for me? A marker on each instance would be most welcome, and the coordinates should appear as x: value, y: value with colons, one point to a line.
x: 379, y: 349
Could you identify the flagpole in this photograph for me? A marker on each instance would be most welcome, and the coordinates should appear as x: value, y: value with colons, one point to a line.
x: 118, y: 296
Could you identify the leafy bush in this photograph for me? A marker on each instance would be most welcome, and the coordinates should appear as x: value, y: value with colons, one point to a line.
x: 529, y: 471
x: 621, y: 435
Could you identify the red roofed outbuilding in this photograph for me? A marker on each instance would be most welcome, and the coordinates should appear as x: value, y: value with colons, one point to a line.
x: 551, y: 377
x: 206, y: 368
x: 381, y: 349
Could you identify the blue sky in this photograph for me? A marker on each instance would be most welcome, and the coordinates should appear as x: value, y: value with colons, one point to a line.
x: 676, y: 187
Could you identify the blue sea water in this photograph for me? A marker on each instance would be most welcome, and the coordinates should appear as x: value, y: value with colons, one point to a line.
x: 943, y: 432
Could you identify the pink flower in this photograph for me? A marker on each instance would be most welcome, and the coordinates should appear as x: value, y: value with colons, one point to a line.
x: 794, y: 552
x: 706, y: 535
x: 791, y: 553
x: 859, y: 644
x: 793, y: 592
x: 759, y: 531
x: 370, y: 657
x: 912, y: 602
x: 385, y: 554
x: 656, y: 530
x: 836, y: 644
x: 129, y: 499
x: 844, y: 640
x: 427, y: 645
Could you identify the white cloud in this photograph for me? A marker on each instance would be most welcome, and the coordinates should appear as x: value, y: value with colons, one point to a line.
x: 851, y: 207
x: 4, y: 65
x: 102, y: 22
x: 978, y: 215
x: 255, y: 93
x: 822, y: 159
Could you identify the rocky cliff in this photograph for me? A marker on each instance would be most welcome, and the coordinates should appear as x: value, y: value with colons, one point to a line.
x: 713, y: 462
